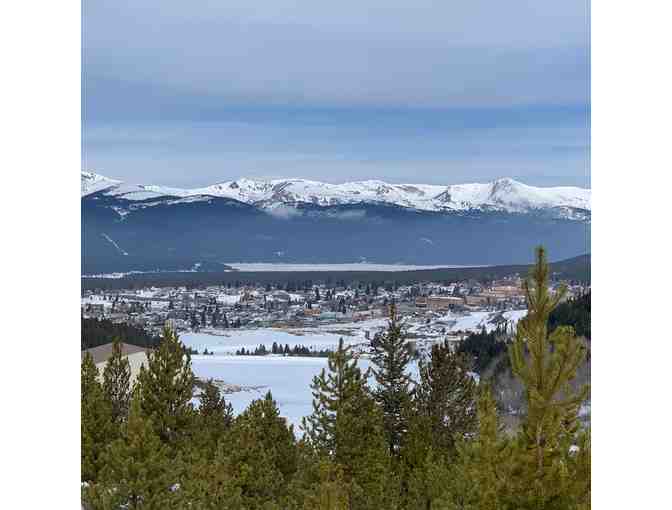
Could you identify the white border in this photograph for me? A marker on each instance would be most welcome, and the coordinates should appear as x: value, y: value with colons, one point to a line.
x: 632, y: 196
x: 40, y: 111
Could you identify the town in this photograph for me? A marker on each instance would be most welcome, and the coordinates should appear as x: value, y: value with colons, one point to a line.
x: 210, y: 309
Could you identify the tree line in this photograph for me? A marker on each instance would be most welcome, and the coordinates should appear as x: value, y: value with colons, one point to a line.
x: 576, y: 269
x: 96, y: 332
x: 278, y: 349
x: 434, y: 443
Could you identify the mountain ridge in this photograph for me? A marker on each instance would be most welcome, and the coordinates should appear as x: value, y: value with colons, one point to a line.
x: 504, y: 194
x: 127, y: 227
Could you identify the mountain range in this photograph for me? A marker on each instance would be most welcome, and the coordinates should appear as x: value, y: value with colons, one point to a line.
x: 148, y: 227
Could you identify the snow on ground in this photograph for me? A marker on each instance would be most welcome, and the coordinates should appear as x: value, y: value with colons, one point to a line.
x: 358, y: 266
x: 353, y: 333
x: 234, y: 339
x: 288, y: 378
x: 474, y: 321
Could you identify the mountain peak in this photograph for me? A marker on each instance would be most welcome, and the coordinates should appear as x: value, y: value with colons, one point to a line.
x: 504, y: 194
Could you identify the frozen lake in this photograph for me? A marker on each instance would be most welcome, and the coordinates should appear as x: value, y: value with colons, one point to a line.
x: 288, y: 378
x: 229, y: 341
x: 357, y: 266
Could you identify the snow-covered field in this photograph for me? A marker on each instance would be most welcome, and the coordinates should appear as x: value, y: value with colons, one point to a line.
x: 232, y: 340
x: 358, y: 266
x: 327, y: 336
x: 473, y: 321
x: 288, y: 378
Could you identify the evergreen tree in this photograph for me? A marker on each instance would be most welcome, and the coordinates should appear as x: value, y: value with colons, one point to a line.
x: 480, y: 476
x: 167, y: 387
x: 331, y: 391
x: 363, y: 453
x: 446, y: 396
x: 215, y: 415
x: 137, y: 471
x: 97, y: 426
x: 260, y: 454
x: 391, y: 358
x: 346, y: 428
x: 320, y: 483
x: 206, y: 485
x: 117, y: 382
x: 546, y: 364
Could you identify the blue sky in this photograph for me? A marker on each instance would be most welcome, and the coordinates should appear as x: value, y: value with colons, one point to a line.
x: 191, y: 93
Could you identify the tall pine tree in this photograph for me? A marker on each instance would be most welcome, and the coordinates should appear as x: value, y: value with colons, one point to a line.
x: 391, y: 357
x: 346, y: 429
x: 97, y: 426
x: 166, y: 388
x: 260, y: 455
x: 546, y: 364
x: 117, y: 382
x: 446, y: 396
x: 137, y: 471
x: 332, y: 390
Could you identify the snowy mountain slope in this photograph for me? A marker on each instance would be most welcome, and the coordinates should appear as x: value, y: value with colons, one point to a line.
x: 93, y: 183
x: 506, y: 195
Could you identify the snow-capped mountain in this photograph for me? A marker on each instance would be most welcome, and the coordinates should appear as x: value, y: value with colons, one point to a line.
x: 506, y: 195
x: 127, y: 227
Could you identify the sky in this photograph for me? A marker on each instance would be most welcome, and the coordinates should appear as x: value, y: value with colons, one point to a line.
x: 192, y: 93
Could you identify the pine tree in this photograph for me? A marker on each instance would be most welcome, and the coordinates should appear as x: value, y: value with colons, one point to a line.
x: 167, y: 387
x: 260, y: 454
x: 446, y: 396
x: 206, y: 485
x: 346, y: 428
x: 97, y: 426
x: 331, y: 391
x: 363, y: 453
x: 546, y: 364
x: 215, y: 416
x: 391, y: 358
x: 117, y: 382
x: 320, y: 485
x: 137, y: 471
x: 480, y: 476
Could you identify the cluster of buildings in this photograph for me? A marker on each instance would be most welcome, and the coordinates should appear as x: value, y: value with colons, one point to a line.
x: 499, y: 295
x: 222, y: 307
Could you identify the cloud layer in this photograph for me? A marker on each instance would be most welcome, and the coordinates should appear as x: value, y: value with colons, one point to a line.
x: 347, y: 86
